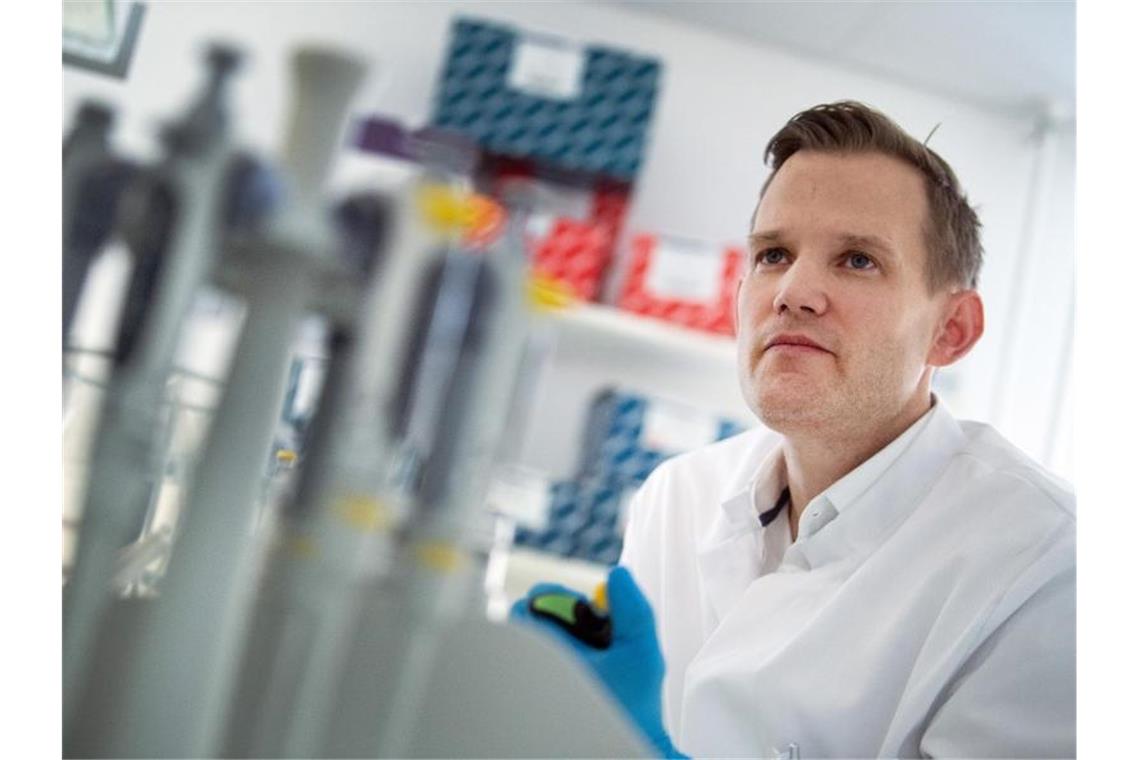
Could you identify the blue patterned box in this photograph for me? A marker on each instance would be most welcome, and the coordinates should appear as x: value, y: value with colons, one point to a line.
x: 585, y: 111
x: 629, y: 434
x: 586, y: 520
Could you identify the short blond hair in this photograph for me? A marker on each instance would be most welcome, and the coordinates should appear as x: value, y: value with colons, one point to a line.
x: 953, y: 231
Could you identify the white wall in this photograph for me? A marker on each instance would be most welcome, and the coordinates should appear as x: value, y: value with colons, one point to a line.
x: 721, y: 100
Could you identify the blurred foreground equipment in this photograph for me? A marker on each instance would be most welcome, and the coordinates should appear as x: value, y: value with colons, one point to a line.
x: 344, y: 615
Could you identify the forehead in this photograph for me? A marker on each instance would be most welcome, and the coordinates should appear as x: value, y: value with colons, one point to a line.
x: 846, y: 194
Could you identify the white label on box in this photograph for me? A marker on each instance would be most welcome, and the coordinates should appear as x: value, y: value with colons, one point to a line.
x: 685, y: 271
x: 520, y: 494
x: 547, y: 69
x: 674, y: 427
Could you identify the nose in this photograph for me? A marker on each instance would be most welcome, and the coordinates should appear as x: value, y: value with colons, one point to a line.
x: 801, y: 292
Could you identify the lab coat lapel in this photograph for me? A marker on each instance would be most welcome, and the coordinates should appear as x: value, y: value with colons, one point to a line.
x: 867, y: 518
x: 728, y: 557
x: 729, y: 553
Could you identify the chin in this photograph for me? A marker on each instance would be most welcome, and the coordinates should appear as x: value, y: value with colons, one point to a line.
x: 785, y: 419
x: 790, y: 404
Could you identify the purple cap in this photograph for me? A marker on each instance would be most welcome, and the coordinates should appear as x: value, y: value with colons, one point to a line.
x: 384, y: 136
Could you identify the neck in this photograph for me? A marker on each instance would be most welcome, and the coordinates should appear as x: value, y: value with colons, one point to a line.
x: 814, y: 462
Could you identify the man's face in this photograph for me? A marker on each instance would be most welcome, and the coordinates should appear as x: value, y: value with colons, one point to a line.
x: 837, y: 258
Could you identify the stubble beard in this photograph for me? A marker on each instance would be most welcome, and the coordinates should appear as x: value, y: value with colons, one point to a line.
x: 831, y: 407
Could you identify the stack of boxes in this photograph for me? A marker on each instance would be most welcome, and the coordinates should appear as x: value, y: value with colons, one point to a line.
x: 569, y: 124
x: 627, y: 436
x: 549, y: 113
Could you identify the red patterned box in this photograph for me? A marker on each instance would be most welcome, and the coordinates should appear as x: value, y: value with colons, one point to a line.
x: 682, y: 281
x: 574, y: 253
x: 573, y: 227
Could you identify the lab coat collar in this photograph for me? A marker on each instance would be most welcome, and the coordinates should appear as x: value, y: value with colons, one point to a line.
x: 845, y: 491
x: 751, y: 491
x: 729, y: 554
x: 873, y: 503
x: 874, y: 498
x: 756, y: 490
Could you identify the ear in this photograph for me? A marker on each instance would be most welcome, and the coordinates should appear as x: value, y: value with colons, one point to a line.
x: 963, y: 322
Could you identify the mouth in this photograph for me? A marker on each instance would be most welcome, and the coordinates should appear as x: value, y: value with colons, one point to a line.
x: 794, y: 344
x: 794, y: 348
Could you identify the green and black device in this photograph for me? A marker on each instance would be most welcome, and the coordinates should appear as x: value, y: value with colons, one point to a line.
x: 586, y: 623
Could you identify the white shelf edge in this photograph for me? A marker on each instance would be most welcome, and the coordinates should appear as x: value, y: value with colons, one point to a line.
x: 648, y: 331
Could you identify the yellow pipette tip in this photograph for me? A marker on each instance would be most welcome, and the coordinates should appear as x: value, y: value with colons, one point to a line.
x: 601, y: 601
x: 548, y: 294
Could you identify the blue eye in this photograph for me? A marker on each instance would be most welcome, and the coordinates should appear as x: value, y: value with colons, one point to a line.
x: 771, y: 256
x: 860, y: 261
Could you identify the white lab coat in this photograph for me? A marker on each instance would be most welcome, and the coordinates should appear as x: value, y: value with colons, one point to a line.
x: 927, y: 607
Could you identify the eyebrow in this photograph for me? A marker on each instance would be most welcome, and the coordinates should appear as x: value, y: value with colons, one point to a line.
x: 756, y: 238
x: 870, y: 242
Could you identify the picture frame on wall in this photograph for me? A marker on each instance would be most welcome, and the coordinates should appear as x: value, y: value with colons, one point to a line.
x: 101, y: 36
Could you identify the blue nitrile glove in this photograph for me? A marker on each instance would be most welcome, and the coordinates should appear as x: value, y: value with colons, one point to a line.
x: 632, y: 667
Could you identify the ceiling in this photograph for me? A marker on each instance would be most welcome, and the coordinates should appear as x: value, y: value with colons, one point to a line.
x: 1011, y: 56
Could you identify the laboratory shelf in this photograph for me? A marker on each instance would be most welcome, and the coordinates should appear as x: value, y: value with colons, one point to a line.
x: 619, y: 325
x: 594, y: 348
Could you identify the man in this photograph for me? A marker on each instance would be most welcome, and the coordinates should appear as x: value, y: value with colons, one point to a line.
x: 874, y: 577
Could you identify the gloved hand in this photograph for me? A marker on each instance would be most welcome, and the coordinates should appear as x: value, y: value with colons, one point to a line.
x: 632, y: 668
